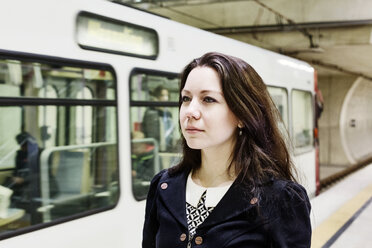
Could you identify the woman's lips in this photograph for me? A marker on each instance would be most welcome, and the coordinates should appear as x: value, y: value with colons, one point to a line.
x: 193, y: 130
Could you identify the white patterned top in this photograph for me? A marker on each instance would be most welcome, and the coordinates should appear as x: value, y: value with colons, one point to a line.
x: 200, y: 202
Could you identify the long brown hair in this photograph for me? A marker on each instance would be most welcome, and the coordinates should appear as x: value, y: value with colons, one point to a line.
x: 260, y: 152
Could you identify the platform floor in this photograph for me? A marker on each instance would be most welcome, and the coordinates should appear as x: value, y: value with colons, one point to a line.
x: 342, y: 215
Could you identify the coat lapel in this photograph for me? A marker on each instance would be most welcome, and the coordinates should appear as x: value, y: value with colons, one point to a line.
x: 172, y: 191
x: 234, y: 202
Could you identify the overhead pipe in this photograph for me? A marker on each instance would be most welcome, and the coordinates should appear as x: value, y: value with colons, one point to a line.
x: 289, y: 27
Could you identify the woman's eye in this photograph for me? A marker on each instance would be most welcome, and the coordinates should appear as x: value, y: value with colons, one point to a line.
x: 209, y: 99
x: 185, y: 99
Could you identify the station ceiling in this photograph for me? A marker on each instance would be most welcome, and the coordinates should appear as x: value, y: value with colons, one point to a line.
x: 333, y: 35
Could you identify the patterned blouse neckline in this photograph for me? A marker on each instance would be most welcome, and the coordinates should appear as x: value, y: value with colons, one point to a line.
x: 197, y: 215
x: 213, y: 194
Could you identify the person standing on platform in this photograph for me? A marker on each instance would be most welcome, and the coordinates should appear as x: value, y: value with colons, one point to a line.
x: 235, y: 185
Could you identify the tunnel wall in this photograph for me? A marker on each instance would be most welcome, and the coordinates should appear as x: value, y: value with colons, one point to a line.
x: 345, y: 127
x: 356, y: 121
x: 334, y: 89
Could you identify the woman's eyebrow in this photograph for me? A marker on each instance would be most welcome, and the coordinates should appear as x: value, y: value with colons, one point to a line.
x: 211, y: 91
x: 204, y: 91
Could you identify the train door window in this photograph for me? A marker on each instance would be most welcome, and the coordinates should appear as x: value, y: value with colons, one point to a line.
x: 280, y: 98
x: 302, y: 117
x: 58, y: 146
x: 154, y: 126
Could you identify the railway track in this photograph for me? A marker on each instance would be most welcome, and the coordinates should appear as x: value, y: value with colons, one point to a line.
x: 327, y: 182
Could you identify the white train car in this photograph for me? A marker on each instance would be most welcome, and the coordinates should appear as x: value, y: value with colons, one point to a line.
x: 77, y: 79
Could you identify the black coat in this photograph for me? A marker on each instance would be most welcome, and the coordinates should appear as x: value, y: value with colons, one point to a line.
x: 279, y: 217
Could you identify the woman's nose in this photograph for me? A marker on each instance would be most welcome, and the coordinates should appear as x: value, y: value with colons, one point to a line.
x: 193, y: 110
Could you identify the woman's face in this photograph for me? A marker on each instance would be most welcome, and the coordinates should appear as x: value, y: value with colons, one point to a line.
x: 206, y: 120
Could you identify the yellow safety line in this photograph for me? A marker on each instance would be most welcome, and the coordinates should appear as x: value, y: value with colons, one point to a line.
x: 331, y: 225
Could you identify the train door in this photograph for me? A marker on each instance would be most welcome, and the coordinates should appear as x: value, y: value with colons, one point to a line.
x: 303, y: 137
x: 300, y: 128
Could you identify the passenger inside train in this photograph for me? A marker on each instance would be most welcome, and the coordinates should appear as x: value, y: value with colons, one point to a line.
x: 143, y: 163
x: 24, y: 177
x: 157, y: 121
x: 24, y: 158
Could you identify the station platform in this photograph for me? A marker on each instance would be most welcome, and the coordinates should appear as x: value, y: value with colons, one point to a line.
x: 342, y: 215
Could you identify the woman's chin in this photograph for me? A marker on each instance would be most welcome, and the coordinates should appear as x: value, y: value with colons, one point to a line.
x: 194, y: 145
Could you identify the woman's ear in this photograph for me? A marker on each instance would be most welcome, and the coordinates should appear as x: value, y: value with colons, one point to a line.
x: 240, y: 126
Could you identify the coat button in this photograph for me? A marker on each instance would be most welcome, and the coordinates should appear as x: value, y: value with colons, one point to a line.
x: 183, y: 237
x: 164, y: 186
x: 198, y: 240
x: 254, y: 200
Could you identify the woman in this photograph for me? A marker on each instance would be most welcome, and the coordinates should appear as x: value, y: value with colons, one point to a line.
x: 234, y: 186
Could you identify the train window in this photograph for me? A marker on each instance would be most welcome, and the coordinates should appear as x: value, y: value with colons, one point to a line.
x: 114, y: 36
x: 68, y: 81
x: 58, y: 146
x: 302, y: 117
x: 280, y: 98
x: 154, y: 126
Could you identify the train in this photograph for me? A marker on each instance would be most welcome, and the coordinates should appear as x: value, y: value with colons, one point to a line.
x: 77, y: 80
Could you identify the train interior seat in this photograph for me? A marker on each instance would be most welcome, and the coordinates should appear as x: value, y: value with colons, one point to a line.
x: 71, y: 175
x: 65, y: 182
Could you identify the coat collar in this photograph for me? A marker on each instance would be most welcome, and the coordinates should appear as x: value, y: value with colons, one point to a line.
x: 173, y: 195
x: 234, y: 202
